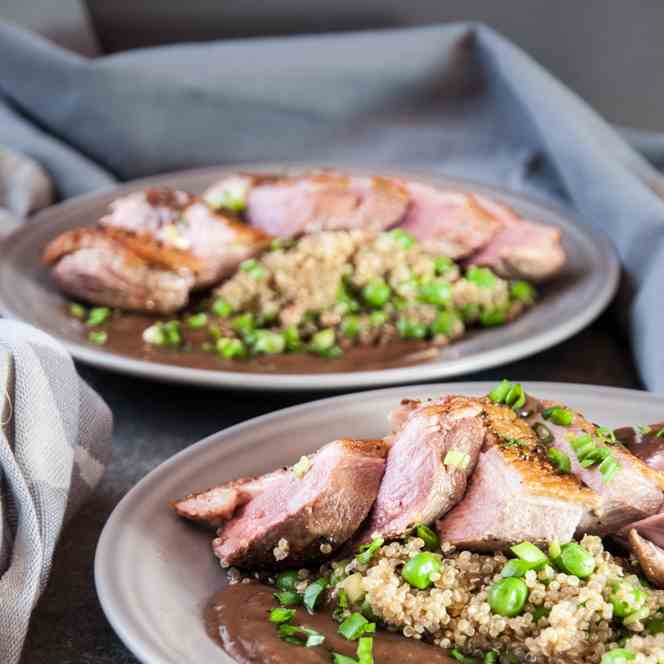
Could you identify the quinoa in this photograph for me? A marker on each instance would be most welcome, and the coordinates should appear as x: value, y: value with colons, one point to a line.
x: 565, y: 619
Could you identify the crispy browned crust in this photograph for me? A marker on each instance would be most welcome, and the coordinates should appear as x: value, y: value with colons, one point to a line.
x: 242, y: 232
x: 377, y: 448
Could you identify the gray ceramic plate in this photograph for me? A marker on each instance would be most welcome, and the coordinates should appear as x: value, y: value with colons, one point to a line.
x: 154, y: 573
x: 569, y: 304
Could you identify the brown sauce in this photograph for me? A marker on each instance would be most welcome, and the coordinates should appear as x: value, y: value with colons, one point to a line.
x: 125, y: 338
x: 237, y: 619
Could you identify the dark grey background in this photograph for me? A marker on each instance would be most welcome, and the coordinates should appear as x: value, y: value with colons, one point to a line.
x: 611, y: 53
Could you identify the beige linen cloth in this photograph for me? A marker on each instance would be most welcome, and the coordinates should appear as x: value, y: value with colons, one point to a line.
x: 54, y: 445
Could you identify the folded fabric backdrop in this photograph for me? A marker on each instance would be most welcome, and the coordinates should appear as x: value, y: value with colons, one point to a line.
x: 55, y: 441
x: 456, y: 98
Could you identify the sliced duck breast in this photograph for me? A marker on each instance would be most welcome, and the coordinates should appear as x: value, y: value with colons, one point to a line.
x: 103, y: 268
x: 515, y: 493
x: 309, y: 511
x: 175, y: 219
x: 288, y: 206
x: 451, y: 223
x: 647, y: 443
x: 429, y: 462
x: 633, y: 492
x: 520, y: 249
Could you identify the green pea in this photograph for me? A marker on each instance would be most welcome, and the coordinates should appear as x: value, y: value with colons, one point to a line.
x: 244, y: 324
x: 221, y: 308
x: 576, y: 560
x: 269, y: 343
x: 627, y: 598
x: 97, y: 316
x: 522, y: 291
x: 171, y: 332
x: 230, y: 348
x: 350, y: 326
x: 323, y: 340
x: 445, y: 323
x: 443, y: 264
x: 493, y: 317
x: 292, y: 336
x: 436, y: 292
x: 377, y: 318
x: 481, y: 276
x: 410, y: 329
x: 507, y: 597
x: 406, y: 240
x: 431, y: 540
x: 618, y: 656
x: 418, y: 570
x: 197, y: 321
x: 376, y: 293
x: 287, y: 580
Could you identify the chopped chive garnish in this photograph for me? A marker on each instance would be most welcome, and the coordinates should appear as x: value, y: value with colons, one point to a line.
x: 230, y: 348
x: 493, y: 317
x: 77, y: 310
x: 281, y: 615
x: 560, y: 460
x: 460, y: 657
x: 516, y: 397
x: 498, y: 393
x: 313, y: 593
x: 530, y: 554
x: 443, y: 264
x: 197, y: 321
x: 353, y: 627
x: 288, y: 598
x: 660, y: 433
x: 607, y: 435
x: 522, y: 291
x: 366, y: 551
x: 365, y: 650
x: 491, y: 657
x: 221, y: 308
x: 338, y: 658
x: 582, y: 445
x: 430, y: 538
x: 269, y: 342
x: 300, y: 636
x: 253, y: 268
x: 557, y: 415
x: 97, y: 316
x: 643, y: 430
x: 323, y: 340
x: 608, y: 468
x: 481, y: 276
x: 342, y: 600
x: 515, y: 567
x: 456, y: 459
x: 554, y: 549
x: 406, y: 240
x: 99, y: 337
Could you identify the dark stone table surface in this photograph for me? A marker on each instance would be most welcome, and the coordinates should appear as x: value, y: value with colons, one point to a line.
x: 153, y: 421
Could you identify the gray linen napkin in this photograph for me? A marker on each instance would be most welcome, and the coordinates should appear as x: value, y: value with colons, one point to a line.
x: 454, y: 98
x: 54, y: 444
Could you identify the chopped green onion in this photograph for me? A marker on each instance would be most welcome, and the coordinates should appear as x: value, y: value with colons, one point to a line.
x: 99, y: 337
x: 338, y: 658
x: 498, y: 393
x: 365, y: 650
x: 376, y: 293
x: 281, y: 615
x: 230, y: 348
x: 515, y: 567
x: 350, y: 326
x: 287, y: 580
x: 540, y: 612
x: 410, y: 329
x: 254, y: 269
x: 343, y: 297
x: 481, y: 276
x: 522, y: 291
x: 292, y: 337
x: 406, y: 240
x: 655, y: 626
x: 608, y: 468
x: 77, y: 310
x: 660, y: 433
x: 300, y: 636
x: 443, y: 264
x: 491, y: 657
x: 197, y: 321
x: 313, y: 593
x: 436, y: 292
x: 172, y: 334
x: 456, y: 459
x: 221, y: 308
x: 531, y: 554
x: 154, y: 335
x: 582, y: 445
x: 643, y: 430
x: 455, y: 653
x: 97, y: 316
x: 366, y: 551
x: 333, y: 352
x: 353, y: 627
x: 430, y: 538
x: 607, y: 435
x: 377, y: 318
x: 288, y: 598
x: 543, y: 433
x: 516, y: 397
x: 627, y: 598
x: 301, y: 468
x: 596, y: 455
x: 554, y: 549
x: 269, y: 343
x: 244, y: 324
x: 557, y: 415
x: 470, y: 312
x: 342, y: 600
x: 560, y: 460
x: 282, y: 243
